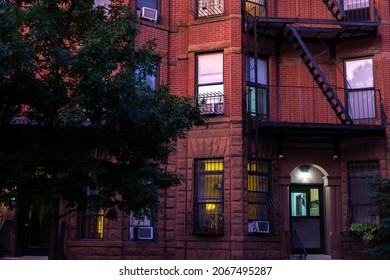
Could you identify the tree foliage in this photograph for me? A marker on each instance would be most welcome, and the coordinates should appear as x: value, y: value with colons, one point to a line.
x: 376, y: 237
x: 77, y: 120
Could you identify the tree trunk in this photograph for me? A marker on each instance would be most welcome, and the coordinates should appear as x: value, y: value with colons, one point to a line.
x: 53, y: 232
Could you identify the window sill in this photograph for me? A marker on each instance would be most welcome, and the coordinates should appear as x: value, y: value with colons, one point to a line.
x: 156, y: 25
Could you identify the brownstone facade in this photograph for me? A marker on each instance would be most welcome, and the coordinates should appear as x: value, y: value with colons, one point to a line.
x: 289, y: 121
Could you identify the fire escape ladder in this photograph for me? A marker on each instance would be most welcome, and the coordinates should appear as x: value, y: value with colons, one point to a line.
x: 335, y: 9
x: 317, y: 75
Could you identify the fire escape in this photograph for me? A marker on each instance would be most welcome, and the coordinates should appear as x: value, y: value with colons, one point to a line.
x: 324, y: 23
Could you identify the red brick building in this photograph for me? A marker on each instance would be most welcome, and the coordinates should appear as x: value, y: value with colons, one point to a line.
x: 296, y: 94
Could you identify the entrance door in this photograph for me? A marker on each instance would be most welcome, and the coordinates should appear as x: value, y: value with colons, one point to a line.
x: 306, y: 216
x: 33, y: 230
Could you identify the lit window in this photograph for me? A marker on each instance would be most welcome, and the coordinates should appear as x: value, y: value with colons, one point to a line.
x: 91, y: 224
x: 255, y: 7
x: 259, y: 196
x: 208, y: 197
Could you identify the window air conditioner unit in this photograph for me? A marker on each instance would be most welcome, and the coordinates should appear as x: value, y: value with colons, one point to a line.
x: 143, y: 233
x: 258, y: 227
x: 149, y: 14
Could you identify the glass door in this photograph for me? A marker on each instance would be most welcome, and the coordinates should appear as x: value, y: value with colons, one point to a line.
x: 306, y: 216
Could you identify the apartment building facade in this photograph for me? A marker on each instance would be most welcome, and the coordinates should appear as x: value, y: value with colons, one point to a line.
x: 296, y: 97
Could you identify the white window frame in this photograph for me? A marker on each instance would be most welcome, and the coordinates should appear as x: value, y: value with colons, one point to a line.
x: 360, y: 94
x: 210, y: 82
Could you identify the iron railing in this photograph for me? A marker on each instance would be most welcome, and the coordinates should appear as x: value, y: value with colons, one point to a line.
x: 297, y: 104
x: 210, y: 103
x: 349, y: 10
x: 206, y: 8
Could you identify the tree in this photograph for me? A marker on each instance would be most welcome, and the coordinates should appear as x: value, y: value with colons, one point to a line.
x: 376, y: 237
x: 77, y: 114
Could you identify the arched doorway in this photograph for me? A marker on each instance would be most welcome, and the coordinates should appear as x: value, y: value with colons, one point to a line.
x: 307, y: 213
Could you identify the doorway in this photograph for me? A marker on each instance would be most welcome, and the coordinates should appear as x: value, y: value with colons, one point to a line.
x: 306, y: 216
x: 33, y: 230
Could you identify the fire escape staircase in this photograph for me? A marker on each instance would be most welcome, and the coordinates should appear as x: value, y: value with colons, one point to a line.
x: 315, y: 71
x: 335, y: 9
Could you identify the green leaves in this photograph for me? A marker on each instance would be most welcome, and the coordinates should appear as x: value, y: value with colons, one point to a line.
x: 75, y: 73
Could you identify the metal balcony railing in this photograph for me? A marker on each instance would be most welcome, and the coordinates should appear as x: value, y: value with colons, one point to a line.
x: 206, y: 8
x: 211, y: 103
x: 295, y: 104
x: 349, y: 10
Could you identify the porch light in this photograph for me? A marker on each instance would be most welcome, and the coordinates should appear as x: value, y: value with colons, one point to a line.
x: 304, y: 171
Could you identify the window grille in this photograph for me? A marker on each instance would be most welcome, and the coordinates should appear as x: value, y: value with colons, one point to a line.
x: 208, y: 197
x: 361, y: 208
x: 259, y: 203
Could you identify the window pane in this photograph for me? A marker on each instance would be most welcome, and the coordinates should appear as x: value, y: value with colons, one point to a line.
x: 360, y: 73
x: 259, y: 204
x: 261, y: 71
x: 356, y: 4
x: 210, y: 7
x: 256, y: 7
x: 217, y: 89
x: 91, y: 224
x: 208, y: 200
x: 210, y: 68
x: 361, y: 104
x: 257, y: 101
x: 147, y: 3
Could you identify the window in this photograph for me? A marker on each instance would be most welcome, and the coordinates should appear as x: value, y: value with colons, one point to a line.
x: 360, y: 88
x: 208, y: 197
x: 152, y: 4
x: 259, y: 196
x: 141, y: 228
x: 91, y: 224
x: 256, y: 7
x: 210, y: 83
x: 207, y: 8
x: 147, y: 9
x: 147, y: 78
x: 357, y: 10
x: 257, y: 86
x: 361, y: 207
